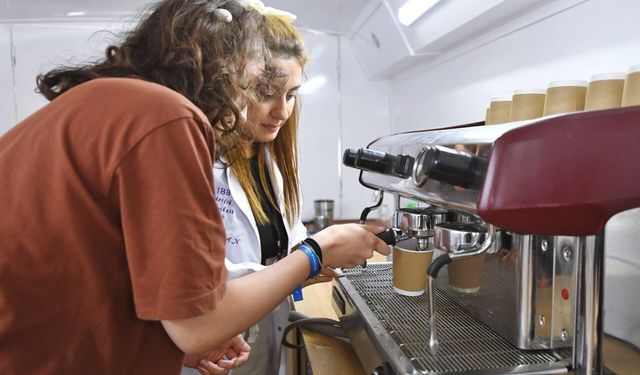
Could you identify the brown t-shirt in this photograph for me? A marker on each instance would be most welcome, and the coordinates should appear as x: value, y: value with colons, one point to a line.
x: 108, y: 224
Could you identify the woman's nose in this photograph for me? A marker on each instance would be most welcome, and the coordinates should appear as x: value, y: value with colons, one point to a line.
x: 279, y: 110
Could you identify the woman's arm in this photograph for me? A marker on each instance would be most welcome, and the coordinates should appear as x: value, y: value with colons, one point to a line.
x: 249, y: 298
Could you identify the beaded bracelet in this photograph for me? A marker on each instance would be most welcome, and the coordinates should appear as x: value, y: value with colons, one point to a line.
x: 314, y: 245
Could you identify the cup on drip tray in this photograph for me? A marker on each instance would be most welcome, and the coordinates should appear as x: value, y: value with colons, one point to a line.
x: 410, y: 267
x: 631, y: 91
x: 527, y: 104
x: 565, y: 97
x: 605, y: 91
x: 499, y: 110
x: 465, y: 275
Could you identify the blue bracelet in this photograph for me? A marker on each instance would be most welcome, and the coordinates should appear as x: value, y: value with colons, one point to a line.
x: 315, y: 269
x: 313, y: 260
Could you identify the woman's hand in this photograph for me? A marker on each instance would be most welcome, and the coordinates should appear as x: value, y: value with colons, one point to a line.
x: 349, y: 245
x: 230, y: 355
x: 326, y: 274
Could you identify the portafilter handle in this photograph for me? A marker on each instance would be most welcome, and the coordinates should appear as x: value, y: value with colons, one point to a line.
x: 390, y: 236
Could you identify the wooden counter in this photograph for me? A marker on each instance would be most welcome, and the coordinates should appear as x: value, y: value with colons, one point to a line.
x: 330, y: 356
x: 327, y: 355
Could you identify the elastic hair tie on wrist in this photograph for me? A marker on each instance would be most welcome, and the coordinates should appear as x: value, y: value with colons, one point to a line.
x: 315, y: 246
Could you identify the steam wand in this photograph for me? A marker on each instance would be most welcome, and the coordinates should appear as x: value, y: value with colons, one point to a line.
x: 462, y: 251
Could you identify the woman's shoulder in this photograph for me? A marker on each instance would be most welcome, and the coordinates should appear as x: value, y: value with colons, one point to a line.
x: 138, y: 96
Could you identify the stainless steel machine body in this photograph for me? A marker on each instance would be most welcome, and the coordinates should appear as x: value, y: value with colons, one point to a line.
x: 528, y: 291
x: 541, y: 289
x: 390, y: 332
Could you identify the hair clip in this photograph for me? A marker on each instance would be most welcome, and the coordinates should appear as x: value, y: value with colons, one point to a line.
x: 223, y: 15
x: 259, y: 6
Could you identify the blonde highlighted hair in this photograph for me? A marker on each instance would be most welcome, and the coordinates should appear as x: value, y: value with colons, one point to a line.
x: 282, y: 41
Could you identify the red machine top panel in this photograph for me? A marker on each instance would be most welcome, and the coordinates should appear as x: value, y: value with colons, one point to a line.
x: 565, y: 175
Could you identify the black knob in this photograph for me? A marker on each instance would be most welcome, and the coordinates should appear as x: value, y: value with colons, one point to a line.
x: 380, y: 162
x: 403, y: 166
x: 349, y: 157
x: 452, y: 167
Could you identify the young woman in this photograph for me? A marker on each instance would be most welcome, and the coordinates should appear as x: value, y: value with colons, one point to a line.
x: 257, y: 185
x: 112, y: 247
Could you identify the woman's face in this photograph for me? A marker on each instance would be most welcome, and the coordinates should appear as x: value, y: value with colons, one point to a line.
x: 266, y: 116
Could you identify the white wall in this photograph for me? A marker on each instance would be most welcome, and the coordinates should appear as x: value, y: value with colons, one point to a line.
x: 41, y: 47
x: 598, y: 36
x: 7, y: 98
x: 319, y: 130
x: 348, y: 111
x: 365, y: 117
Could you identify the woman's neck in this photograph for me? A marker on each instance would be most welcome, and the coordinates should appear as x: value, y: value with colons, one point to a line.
x: 249, y: 150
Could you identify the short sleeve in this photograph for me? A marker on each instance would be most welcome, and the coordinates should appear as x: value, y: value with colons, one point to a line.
x: 173, y: 233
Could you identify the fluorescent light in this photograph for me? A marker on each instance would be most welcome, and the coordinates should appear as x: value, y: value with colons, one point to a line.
x: 312, y: 84
x: 76, y: 14
x: 413, y: 9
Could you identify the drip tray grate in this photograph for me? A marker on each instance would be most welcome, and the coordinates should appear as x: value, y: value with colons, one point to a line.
x: 466, y: 344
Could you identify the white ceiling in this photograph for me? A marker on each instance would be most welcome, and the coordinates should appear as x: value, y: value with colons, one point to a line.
x: 322, y: 15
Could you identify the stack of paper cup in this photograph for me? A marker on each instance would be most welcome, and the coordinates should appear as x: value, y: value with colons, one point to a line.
x: 527, y: 104
x: 565, y: 97
x: 499, y: 110
x: 605, y: 91
x: 631, y: 91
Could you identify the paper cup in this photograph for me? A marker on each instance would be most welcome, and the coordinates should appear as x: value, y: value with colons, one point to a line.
x: 631, y: 91
x: 565, y: 97
x: 410, y: 270
x: 527, y: 104
x: 605, y: 91
x: 499, y: 110
x: 465, y: 275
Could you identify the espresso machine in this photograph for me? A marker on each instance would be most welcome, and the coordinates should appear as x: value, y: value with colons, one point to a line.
x: 533, y: 198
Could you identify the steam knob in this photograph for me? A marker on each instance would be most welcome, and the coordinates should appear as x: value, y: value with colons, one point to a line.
x: 349, y: 157
x: 379, y: 162
x: 449, y: 166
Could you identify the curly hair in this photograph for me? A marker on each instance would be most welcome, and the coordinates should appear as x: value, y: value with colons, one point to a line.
x: 180, y: 44
x: 281, y: 41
